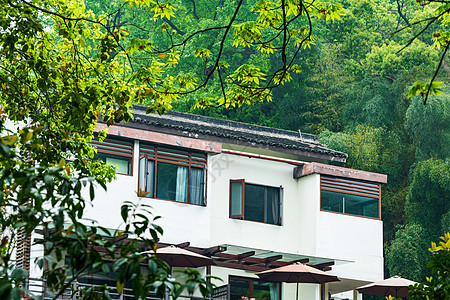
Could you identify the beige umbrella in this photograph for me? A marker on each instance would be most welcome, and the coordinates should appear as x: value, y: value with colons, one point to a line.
x: 297, y: 273
x: 178, y: 257
x: 395, y: 286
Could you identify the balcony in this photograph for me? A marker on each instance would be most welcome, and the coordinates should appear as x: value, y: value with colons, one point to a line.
x: 37, y: 287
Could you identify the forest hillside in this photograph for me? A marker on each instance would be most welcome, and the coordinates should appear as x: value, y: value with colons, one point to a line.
x: 353, y: 93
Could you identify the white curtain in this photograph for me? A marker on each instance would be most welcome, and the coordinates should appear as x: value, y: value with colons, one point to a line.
x: 142, y: 173
x: 196, y: 188
x: 276, y: 207
x: 182, y: 184
x: 275, y: 291
x: 150, y: 177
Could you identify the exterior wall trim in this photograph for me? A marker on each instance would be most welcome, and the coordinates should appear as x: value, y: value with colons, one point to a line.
x: 318, y: 168
x: 161, y: 138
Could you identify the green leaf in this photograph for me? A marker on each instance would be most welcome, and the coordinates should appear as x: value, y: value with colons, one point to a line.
x: 124, y: 210
x: 91, y: 191
x: 19, y: 274
x: 120, y: 286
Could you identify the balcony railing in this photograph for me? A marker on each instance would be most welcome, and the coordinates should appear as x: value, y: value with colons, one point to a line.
x: 37, y: 287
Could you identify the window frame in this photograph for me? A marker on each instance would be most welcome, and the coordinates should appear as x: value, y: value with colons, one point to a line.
x: 242, y: 215
x: 124, y: 146
x: 344, y: 186
x: 154, y: 153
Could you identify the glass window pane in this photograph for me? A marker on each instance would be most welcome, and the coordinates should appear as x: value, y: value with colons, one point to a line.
x: 349, y: 204
x: 239, y: 289
x: 236, y: 199
x: 120, y: 163
x: 331, y: 201
x: 196, y: 186
x: 254, y: 203
x: 273, y: 205
x: 123, y: 164
x: 166, y: 181
x: 361, y: 206
x: 266, y: 290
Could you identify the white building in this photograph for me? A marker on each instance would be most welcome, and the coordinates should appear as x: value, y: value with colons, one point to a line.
x: 251, y: 197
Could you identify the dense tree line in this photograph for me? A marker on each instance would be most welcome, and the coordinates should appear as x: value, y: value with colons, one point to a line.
x: 337, y: 73
x: 353, y: 93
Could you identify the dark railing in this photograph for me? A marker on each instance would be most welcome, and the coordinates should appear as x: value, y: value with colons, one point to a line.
x: 37, y: 287
x: 221, y: 292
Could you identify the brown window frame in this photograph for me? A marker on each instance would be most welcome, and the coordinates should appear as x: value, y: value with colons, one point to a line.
x: 190, y: 159
x: 351, y: 187
x: 116, y: 147
x: 242, y: 215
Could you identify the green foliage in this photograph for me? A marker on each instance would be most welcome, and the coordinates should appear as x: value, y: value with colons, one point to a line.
x: 430, y: 188
x: 436, y: 286
x: 429, y: 127
x: 406, y: 256
x: 364, y: 146
x: 207, y: 42
x: 427, y: 210
x: 64, y: 64
x: 48, y: 199
x: 440, y: 38
x: 429, y: 88
x: 418, y: 58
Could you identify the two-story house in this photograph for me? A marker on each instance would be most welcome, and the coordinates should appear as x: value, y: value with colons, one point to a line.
x: 251, y: 197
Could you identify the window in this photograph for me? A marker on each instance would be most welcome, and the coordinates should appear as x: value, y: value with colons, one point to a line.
x: 115, y: 152
x: 247, y: 287
x: 172, y: 174
x: 255, y: 202
x: 350, y: 197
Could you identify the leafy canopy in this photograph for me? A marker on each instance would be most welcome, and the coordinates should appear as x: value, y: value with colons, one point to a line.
x: 63, y: 67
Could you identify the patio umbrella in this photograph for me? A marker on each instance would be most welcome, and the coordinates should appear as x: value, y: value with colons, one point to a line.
x: 395, y: 286
x: 297, y: 273
x: 178, y: 257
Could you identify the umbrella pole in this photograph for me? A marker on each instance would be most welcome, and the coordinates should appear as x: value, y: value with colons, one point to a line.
x: 296, y: 294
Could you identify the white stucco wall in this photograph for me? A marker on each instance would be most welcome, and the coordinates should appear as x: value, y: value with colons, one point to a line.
x: 247, y: 233
x: 308, y: 192
x: 305, y: 230
x: 355, y: 239
x: 181, y: 222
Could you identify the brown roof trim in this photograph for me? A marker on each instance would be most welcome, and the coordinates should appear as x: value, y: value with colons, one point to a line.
x: 318, y: 168
x: 161, y: 138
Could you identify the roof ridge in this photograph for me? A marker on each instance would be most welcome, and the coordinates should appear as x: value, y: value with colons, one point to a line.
x: 310, y: 138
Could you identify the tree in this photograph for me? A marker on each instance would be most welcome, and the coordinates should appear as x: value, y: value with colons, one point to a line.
x: 63, y: 67
x: 429, y: 189
x: 406, y: 255
x: 440, y: 39
x: 428, y: 126
x: 436, y: 286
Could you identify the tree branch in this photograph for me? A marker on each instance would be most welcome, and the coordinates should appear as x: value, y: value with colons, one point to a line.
x: 435, y: 73
x: 174, y: 27
x: 399, y: 9
x: 194, y: 10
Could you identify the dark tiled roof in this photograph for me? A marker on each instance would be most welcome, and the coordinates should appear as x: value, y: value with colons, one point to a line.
x: 232, y: 130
